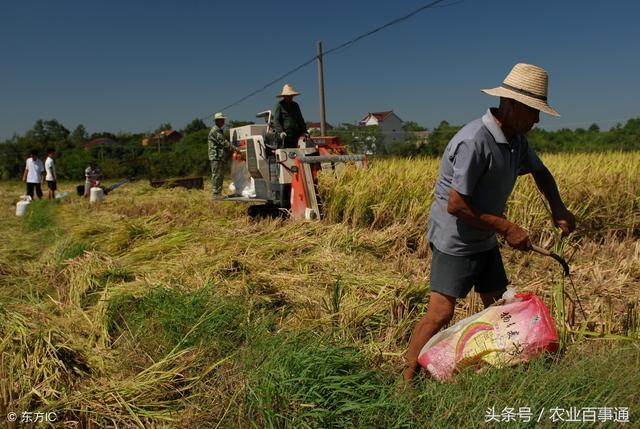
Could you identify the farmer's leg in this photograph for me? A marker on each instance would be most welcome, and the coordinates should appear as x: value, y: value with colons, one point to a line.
x: 492, y: 281
x: 30, y: 188
x: 451, y: 277
x: 39, y: 191
x: 217, y: 174
x: 51, y: 184
x: 489, y: 298
x: 439, y: 313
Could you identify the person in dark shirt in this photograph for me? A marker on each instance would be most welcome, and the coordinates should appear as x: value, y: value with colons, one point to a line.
x: 288, y: 122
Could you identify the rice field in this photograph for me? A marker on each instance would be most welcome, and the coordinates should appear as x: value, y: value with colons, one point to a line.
x: 161, y: 308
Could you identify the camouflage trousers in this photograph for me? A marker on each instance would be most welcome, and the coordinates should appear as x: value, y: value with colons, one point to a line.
x: 217, y: 174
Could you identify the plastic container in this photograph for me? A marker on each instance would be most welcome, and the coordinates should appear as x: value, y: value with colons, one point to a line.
x: 22, y: 205
x: 96, y: 195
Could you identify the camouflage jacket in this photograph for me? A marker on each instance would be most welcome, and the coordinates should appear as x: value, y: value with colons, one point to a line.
x: 219, y: 146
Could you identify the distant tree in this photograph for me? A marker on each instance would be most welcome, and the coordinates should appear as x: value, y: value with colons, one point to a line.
x: 235, y: 124
x: 360, y: 139
x: 412, y: 126
x: 194, y: 126
x: 439, y: 139
x: 79, y: 136
x: 46, y: 133
x: 408, y: 147
x: 594, y: 128
x: 11, y: 159
x: 162, y: 127
x: 102, y: 134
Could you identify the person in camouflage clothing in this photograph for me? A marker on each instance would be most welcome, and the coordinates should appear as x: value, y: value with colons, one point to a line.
x: 219, y: 150
x: 288, y: 122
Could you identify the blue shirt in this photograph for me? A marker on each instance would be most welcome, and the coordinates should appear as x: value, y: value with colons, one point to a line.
x: 481, y: 164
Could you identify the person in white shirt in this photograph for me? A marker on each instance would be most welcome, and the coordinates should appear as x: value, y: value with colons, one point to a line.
x: 92, y: 177
x: 51, y: 176
x: 34, y: 174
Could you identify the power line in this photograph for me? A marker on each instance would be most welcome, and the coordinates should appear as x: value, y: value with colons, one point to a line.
x: 344, y: 45
x: 273, y: 82
x: 382, y: 27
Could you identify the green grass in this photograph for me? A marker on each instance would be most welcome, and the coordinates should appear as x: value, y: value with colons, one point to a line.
x: 39, y: 215
x: 166, y: 318
x: 75, y: 249
x: 302, y: 380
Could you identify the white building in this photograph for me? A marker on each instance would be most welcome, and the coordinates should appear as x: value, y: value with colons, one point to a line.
x: 390, y: 125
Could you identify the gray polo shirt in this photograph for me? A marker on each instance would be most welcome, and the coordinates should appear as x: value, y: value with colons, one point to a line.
x: 479, y: 163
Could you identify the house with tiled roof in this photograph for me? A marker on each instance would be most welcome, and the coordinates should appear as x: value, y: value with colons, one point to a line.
x: 171, y: 136
x: 100, y: 141
x: 390, y: 125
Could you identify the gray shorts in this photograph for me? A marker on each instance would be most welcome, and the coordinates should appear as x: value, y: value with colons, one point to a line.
x: 454, y: 276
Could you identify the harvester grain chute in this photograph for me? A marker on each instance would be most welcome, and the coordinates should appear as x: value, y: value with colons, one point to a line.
x: 285, y: 180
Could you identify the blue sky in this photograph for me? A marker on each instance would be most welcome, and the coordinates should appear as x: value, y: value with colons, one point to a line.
x: 131, y: 65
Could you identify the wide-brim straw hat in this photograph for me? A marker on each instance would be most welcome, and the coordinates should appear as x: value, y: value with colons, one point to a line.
x: 219, y: 115
x: 288, y: 90
x: 527, y: 84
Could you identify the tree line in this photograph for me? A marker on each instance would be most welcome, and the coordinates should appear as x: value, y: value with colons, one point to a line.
x: 160, y: 159
x: 619, y: 138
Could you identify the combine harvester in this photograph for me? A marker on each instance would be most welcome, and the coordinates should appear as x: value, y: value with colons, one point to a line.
x: 285, y: 180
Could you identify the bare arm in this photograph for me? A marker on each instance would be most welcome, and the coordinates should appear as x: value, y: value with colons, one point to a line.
x: 562, y: 217
x: 459, y: 206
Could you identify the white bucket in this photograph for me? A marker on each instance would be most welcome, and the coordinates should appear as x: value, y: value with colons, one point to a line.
x: 96, y: 195
x: 22, y: 205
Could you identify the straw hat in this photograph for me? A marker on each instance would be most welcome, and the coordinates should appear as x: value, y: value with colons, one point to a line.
x: 219, y: 115
x: 288, y: 90
x: 527, y: 84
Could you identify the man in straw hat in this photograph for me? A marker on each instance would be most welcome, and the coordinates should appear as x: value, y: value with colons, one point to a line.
x: 219, y: 150
x: 288, y: 122
x: 477, y: 174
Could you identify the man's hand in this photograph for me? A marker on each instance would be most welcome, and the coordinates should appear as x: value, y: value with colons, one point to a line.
x: 565, y: 220
x: 283, y: 135
x: 517, y: 237
x: 562, y: 217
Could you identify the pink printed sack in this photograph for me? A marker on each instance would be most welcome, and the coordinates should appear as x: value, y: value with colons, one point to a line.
x: 499, y: 336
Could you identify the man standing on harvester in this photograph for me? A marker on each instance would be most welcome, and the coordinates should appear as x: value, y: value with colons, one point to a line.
x: 288, y: 122
x: 220, y: 149
x: 478, y: 172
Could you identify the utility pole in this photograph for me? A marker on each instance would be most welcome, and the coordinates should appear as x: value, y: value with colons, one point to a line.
x: 323, y: 120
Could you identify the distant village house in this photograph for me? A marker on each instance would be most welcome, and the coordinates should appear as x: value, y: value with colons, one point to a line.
x: 420, y: 137
x: 98, y: 142
x: 171, y: 136
x: 390, y: 125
